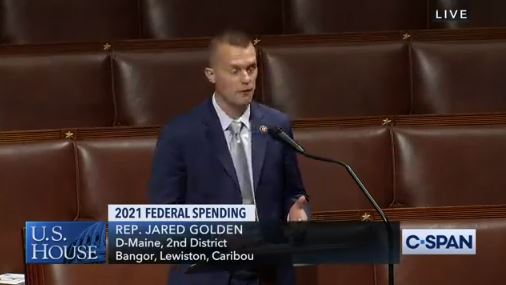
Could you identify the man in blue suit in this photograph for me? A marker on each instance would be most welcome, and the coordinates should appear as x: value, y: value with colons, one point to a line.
x: 219, y: 153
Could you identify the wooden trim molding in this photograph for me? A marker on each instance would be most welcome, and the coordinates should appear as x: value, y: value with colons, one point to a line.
x: 342, y: 122
x: 417, y: 213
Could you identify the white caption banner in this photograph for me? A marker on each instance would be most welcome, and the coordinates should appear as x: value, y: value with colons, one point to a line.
x: 181, y: 213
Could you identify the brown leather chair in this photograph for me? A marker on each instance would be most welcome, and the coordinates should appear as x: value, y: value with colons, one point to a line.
x: 29, y: 21
x: 447, y: 166
x: 43, y: 90
x: 459, y: 77
x: 110, y: 171
x: 332, y: 80
x: 195, y: 18
x: 153, y: 86
x: 330, y: 16
x: 366, y: 149
x: 113, y: 171
x: 37, y: 183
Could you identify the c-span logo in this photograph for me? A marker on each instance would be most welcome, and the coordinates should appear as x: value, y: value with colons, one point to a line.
x: 439, y: 241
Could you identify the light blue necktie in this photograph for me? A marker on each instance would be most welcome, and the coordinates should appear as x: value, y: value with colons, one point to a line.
x: 238, y: 153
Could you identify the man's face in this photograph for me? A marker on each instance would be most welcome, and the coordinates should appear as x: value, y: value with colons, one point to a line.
x: 234, y: 74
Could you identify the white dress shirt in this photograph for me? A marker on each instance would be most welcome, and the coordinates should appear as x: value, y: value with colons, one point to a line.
x: 225, y: 122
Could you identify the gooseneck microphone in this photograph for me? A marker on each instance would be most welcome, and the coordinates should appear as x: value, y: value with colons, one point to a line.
x: 279, y: 134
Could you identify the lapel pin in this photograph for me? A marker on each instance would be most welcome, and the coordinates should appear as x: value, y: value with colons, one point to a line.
x: 263, y: 129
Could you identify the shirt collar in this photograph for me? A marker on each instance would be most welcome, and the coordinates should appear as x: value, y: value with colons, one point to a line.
x: 225, y: 120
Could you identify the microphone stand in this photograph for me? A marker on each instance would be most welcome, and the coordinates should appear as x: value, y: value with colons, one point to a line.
x: 370, y: 199
x: 281, y: 135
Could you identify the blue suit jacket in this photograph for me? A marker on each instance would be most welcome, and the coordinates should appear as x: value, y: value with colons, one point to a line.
x: 192, y: 165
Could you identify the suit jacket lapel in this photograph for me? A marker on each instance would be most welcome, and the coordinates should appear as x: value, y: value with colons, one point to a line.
x: 217, y: 141
x: 258, y: 144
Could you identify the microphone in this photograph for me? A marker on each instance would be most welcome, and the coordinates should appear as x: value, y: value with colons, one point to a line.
x: 279, y: 134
